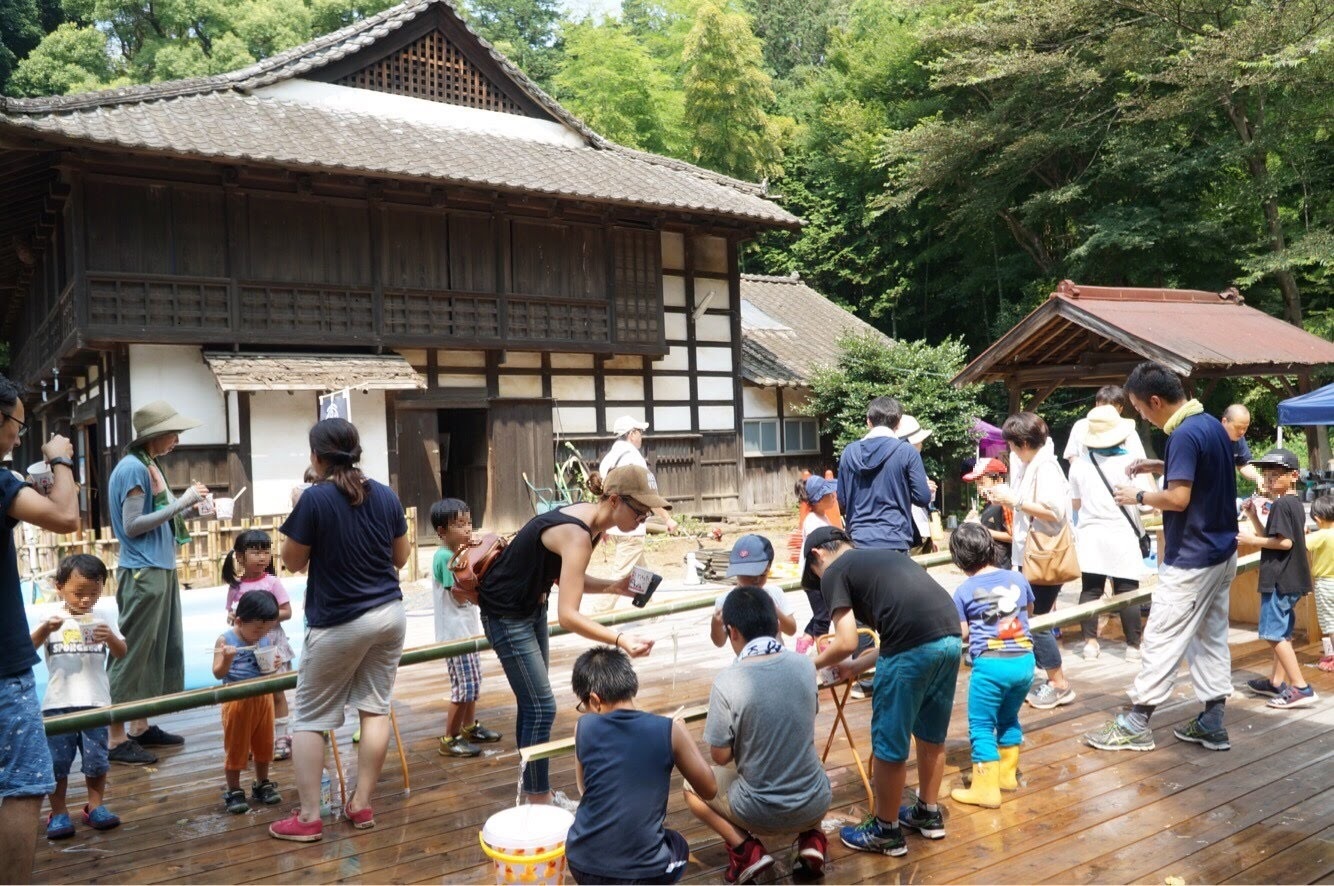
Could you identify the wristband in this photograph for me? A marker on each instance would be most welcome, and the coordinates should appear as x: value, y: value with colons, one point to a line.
x: 618, y: 640
x: 69, y: 463
x: 1139, y: 497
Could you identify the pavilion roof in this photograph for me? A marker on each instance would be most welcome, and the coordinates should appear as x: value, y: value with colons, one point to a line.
x: 1091, y: 335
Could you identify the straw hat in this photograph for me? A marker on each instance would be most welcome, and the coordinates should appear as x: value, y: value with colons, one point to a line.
x: 911, y: 429
x: 158, y: 418
x: 1107, y: 428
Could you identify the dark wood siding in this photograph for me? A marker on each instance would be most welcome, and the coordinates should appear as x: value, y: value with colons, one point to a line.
x: 520, y: 441
x: 303, y: 241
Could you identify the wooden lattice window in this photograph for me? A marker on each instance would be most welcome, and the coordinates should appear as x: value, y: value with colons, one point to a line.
x: 433, y: 68
x: 638, y: 286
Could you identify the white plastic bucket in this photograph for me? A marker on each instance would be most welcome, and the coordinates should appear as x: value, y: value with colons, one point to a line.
x: 527, y: 843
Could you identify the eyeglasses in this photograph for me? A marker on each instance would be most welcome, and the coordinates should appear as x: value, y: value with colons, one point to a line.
x: 23, y: 425
x: 582, y: 707
x: 634, y: 506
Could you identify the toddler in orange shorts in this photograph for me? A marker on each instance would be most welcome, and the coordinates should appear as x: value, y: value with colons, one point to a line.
x: 243, y: 652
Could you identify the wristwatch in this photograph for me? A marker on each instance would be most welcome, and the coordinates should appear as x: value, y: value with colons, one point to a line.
x: 69, y: 463
x: 1139, y: 497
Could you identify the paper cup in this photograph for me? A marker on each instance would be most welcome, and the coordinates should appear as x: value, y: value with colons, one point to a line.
x: 265, y: 659
x: 225, y: 506
x: 207, y: 506
x: 88, y: 631
x: 42, y: 478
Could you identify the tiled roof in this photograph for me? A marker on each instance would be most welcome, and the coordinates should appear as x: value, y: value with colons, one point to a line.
x: 218, y: 118
x: 789, y: 329
x: 311, y: 372
x: 1088, y: 334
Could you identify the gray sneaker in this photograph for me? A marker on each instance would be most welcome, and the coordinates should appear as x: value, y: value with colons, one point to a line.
x: 1115, y: 735
x: 1193, y: 732
x: 1046, y: 696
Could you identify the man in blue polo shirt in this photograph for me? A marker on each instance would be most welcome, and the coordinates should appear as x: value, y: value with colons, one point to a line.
x: 1189, y: 618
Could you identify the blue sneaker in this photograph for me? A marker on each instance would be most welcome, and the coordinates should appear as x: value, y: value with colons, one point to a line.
x: 871, y: 836
x: 1294, y: 697
x: 101, y: 818
x: 58, y: 826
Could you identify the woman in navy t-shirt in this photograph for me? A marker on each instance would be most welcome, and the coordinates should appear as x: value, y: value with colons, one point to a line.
x: 351, y: 532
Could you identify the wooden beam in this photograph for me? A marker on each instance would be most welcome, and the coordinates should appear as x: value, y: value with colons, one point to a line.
x: 1041, y: 396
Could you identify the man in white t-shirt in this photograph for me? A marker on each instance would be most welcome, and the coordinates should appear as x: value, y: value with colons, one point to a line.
x: 629, y: 551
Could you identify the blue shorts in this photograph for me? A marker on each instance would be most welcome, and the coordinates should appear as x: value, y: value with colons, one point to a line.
x: 25, y: 760
x: 913, y: 696
x: 1278, y: 615
x: 89, y: 744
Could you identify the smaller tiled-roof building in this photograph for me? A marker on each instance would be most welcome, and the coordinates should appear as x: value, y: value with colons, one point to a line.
x: 788, y: 330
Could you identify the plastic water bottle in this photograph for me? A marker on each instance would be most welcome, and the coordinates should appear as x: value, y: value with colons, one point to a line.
x: 326, y: 793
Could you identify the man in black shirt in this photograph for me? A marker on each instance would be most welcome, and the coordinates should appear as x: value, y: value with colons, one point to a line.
x: 915, y: 671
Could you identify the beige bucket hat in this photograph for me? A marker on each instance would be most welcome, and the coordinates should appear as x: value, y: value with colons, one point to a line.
x: 158, y: 418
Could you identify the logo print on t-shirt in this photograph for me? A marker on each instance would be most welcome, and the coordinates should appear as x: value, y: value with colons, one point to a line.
x: 1002, y: 610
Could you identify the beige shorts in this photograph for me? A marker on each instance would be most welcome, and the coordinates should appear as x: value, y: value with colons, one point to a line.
x: 349, y: 664
x: 721, y: 803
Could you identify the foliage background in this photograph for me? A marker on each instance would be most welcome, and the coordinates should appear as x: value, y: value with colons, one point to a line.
x: 953, y: 159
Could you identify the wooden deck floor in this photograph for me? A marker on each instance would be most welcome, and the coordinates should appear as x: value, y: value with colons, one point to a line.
x: 1261, y: 813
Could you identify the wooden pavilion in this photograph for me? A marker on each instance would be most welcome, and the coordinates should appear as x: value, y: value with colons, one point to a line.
x: 1088, y: 336
x: 392, y: 208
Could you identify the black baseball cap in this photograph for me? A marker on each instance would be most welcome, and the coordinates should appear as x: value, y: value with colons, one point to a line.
x: 825, y: 534
x: 1283, y: 459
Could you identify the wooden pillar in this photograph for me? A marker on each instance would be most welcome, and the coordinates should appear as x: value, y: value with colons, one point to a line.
x: 1016, y: 391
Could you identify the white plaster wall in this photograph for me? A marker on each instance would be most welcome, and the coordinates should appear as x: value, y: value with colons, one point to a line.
x: 674, y: 291
x: 717, y: 418
x: 714, y: 388
x: 520, y: 386
x: 571, y: 361
x: 574, y: 419
x: 279, y: 445
x: 759, y: 402
x: 673, y: 250
x: 475, y: 359
x: 671, y: 418
x: 714, y: 359
x: 179, y: 375
x: 678, y: 357
x: 711, y: 254
x: 674, y: 327
x: 573, y: 387
x: 711, y: 327
x: 671, y: 388
x: 625, y: 387
x: 522, y: 360
x: 451, y: 380
x: 635, y: 412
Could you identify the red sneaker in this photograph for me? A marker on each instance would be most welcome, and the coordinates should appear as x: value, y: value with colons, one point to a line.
x: 812, y: 847
x: 747, y: 861
x: 293, y: 828
x: 361, y: 819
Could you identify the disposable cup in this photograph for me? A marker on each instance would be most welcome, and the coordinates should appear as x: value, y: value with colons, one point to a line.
x: 88, y: 631
x: 265, y: 659
x: 207, y: 506
x: 42, y: 478
x: 226, y: 507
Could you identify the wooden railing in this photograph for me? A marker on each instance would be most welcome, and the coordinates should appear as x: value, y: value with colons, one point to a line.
x: 197, y: 563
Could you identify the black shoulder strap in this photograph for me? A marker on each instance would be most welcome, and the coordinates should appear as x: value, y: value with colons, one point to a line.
x: 1124, y: 513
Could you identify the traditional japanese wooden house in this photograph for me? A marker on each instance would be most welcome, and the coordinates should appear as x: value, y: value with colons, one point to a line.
x: 788, y: 330
x: 393, y: 208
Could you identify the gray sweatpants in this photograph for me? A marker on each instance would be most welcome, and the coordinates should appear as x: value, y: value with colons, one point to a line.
x: 1189, y: 619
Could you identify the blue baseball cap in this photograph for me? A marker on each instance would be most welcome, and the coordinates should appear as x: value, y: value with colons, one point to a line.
x: 818, y: 487
x: 751, y: 555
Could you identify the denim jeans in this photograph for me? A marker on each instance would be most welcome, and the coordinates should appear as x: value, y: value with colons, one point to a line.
x: 995, y: 694
x: 1045, y: 648
x: 523, y: 646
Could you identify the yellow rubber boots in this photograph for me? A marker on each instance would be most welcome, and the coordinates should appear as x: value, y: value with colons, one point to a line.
x: 1009, y: 768
x: 985, y: 790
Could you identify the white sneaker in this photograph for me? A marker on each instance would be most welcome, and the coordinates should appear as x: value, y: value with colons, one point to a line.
x: 1132, y: 653
x: 1091, y: 650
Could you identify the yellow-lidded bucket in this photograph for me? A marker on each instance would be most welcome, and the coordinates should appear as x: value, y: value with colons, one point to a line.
x: 527, y: 844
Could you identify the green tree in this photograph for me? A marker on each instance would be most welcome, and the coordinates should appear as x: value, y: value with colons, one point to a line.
x: 917, y: 374
x: 525, y: 31
x: 109, y: 42
x: 794, y: 33
x: 610, y: 80
x: 23, y: 24
x: 726, y: 94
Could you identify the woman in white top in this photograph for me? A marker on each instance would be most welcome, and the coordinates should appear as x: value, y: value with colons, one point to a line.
x: 1108, y: 538
x: 1040, y: 498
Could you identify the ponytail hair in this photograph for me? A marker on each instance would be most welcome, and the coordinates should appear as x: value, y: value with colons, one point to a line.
x: 594, y: 485
x: 251, y: 539
x: 337, y: 444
